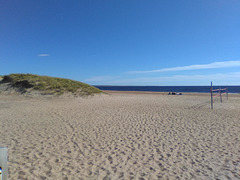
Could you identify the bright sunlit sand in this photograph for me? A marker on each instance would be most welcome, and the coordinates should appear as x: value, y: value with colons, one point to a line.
x: 121, y: 136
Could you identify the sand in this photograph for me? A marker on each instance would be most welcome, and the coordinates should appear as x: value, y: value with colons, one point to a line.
x: 121, y: 136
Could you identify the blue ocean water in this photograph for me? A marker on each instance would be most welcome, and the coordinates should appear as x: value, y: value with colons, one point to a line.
x: 189, y: 89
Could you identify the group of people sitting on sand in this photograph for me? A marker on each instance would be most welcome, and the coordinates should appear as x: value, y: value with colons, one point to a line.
x: 174, y: 93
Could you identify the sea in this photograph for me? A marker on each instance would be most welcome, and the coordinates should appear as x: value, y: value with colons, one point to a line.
x: 186, y: 89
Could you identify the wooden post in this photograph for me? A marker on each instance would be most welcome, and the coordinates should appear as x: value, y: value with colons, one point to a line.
x: 211, y: 97
x: 227, y: 93
x: 3, y: 163
x: 220, y: 93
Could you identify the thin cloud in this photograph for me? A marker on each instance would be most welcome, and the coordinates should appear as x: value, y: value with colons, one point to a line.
x: 43, y: 55
x: 101, y: 78
x: 198, y: 79
x: 214, y: 65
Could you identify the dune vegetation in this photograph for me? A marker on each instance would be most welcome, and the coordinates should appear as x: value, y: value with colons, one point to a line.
x: 48, y: 85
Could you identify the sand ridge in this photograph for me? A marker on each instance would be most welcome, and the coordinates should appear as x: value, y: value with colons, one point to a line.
x: 121, y: 136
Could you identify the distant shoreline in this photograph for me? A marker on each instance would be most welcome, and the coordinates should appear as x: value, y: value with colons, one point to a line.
x: 150, y: 92
x: 163, y: 93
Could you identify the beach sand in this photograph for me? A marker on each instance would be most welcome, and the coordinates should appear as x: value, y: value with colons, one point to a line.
x: 121, y: 136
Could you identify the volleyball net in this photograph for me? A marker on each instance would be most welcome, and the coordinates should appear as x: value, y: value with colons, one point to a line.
x: 218, y: 92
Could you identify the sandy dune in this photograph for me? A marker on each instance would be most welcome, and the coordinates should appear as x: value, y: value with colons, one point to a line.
x: 121, y: 136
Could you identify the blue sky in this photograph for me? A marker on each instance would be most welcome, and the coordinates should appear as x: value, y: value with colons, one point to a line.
x: 123, y: 42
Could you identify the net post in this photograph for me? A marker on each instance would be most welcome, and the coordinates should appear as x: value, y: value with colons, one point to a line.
x: 211, y: 96
x: 3, y: 163
x: 220, y: 93
x: 227, y: 93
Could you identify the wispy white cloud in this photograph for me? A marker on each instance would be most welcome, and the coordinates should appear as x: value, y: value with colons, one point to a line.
x: 43, y: 55
x: 232, y: 78
x: 215, y: 65
x: 101, y: 78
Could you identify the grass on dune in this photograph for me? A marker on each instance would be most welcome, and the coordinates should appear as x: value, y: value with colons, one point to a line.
x: 49, y: 85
